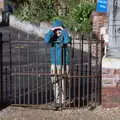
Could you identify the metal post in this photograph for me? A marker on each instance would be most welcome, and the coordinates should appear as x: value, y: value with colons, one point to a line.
x: 1, y: 68
x: 89, y: 67
x: 10, y: 52
x: 5, y: 14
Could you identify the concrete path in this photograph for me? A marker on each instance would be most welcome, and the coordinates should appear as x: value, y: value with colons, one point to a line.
x: 19, y: 113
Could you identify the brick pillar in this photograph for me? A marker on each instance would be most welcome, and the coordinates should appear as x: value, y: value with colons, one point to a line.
x: 110, y: 68
x: 110, y: 82
x: 1, y: 5
x: 98, y: 20
x: 111, y: 63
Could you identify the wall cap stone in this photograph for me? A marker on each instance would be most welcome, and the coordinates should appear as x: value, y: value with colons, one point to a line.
x: 111, y: 63
x: 39, y: 29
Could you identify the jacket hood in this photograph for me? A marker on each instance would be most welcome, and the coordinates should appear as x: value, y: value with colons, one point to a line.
x: 57, y: 23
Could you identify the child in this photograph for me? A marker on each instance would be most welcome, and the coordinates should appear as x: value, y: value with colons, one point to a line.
x: 58, y: 38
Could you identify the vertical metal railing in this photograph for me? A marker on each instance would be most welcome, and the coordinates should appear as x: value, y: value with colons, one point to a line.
x: 30, y: 76
x: 10, y: 69
x: 1, y: 68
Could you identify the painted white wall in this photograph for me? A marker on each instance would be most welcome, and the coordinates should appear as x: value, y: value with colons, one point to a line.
x: 38, y: 30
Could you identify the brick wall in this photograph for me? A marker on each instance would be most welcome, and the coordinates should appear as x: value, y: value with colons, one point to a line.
x: 98, y: 20
x: 110, y: 97
x: 111, y: 77
x: 1, y: 4
x: 110, y: 87
x: 97, y: 50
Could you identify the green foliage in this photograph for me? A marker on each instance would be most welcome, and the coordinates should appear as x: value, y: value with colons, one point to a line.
x: 78, y: 18
x: 81, y: 16
x: 36, y: 10
x: 82, y: 12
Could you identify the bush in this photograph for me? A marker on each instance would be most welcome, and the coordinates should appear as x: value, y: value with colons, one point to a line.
x: 78, y: 19
x: 36, y: 10
x: 80, y: 16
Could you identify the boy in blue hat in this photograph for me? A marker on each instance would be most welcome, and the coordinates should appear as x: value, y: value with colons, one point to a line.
x: 58, y: 38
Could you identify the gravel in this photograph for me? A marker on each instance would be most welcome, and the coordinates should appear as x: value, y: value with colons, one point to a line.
x: 25, y: 113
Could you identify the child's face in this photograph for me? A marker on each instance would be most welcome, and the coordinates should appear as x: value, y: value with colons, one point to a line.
x: 58, y: 32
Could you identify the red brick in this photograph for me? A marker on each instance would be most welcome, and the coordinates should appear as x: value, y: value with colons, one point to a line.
x: 110, y: 97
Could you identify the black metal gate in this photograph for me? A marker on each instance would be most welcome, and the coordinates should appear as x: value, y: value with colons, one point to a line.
x: 25, y: 76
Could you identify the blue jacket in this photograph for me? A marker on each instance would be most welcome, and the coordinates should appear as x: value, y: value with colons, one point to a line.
x: 59, y: 51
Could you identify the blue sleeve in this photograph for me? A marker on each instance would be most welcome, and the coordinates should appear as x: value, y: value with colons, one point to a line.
x: 67, y: 38
x: 48, y: 36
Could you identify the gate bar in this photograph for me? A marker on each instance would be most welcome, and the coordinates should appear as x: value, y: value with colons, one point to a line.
x: 1, y: 68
